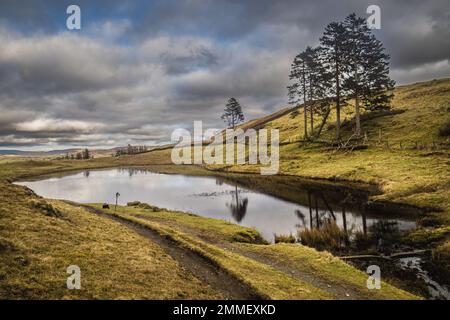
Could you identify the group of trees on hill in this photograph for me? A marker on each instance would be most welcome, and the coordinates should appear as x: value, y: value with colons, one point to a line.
x: 350, y: 63
x: 131, y: 150
x: 81, y: 155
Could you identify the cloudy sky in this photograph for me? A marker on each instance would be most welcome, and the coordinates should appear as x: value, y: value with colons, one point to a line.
x: 137, y: 70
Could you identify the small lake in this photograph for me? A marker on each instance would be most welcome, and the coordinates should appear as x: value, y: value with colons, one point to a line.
x: 243, y: 202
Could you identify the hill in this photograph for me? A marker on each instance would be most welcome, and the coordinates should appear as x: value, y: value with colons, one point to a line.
x: 407, y: 155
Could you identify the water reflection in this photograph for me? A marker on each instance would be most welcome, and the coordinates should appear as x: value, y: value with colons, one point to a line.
x: 238, y: 207
x: 329, y: 228
x: 271, y: 205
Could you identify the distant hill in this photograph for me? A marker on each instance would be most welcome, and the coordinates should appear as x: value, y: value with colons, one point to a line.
x: 35, y: 153
x: 52, y: 153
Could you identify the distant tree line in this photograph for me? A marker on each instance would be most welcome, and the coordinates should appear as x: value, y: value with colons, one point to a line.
x: 131, y: 150
x: 350, y: 63
x: 81, y: 155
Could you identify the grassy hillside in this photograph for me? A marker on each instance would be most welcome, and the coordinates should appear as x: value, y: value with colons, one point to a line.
x: 407, y: 157
x: 419, y: 112
x: 39, y: 239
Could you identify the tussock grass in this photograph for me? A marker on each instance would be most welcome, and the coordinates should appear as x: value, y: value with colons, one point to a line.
x: 328, y: 237
x: 283, y: 238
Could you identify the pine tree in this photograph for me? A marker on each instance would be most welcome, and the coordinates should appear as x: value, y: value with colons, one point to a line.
x: 310, y: 85
x: 297, y: 91
x: 334, y: 42
x: 233, y: 114
x: 319, y: 83
x: 368, y: 77
x: 378, y: 93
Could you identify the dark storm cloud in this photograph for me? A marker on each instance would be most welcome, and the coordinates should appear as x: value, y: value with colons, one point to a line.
x: 139, y: 69
x: 408, y: 27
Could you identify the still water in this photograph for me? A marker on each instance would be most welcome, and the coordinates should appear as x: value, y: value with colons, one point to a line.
x: 210, y: 197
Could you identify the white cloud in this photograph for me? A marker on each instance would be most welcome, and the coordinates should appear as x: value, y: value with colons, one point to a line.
x: 58, y: 125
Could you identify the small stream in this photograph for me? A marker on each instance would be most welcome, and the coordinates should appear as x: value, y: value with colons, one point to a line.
x: 415, y: 264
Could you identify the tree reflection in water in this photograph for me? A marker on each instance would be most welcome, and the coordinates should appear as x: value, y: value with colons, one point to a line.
x: 238, y: 207
x: 323, y: 231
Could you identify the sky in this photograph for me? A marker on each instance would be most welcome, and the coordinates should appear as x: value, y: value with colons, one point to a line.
x: 137, y: 70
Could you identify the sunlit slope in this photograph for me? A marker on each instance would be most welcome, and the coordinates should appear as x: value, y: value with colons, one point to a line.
x: 419, y: 112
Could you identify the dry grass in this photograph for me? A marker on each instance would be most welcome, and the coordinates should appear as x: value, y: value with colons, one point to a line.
x: 217, y: 240
x: 328, y: 237
x: 331, y: 270
x: 36, y: 248
x: 282, y: 238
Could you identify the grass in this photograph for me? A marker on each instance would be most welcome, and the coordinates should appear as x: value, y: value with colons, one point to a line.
x: 206, y: 228
x: 331, y: 270
x: 36, y: 248
x: 268, y: 282
x: 328, y: 237
x: 282, y: 238
x: 219, y: 241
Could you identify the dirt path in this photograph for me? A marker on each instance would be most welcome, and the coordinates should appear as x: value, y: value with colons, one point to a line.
x: 339, y: 291
x: 198, y: 266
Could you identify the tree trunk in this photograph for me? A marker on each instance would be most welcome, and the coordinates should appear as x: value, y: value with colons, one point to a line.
x: 304, y: 104
x: 357, y: 113
x: 357, y: 117
x: 338, y: 104
x: 324, y: 120
x: 305, y: 110
x: 311, y: 110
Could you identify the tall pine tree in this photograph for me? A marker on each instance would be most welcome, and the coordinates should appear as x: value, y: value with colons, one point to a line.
x: 334, y: 42
x: 378, y: 93
x: 297, y: 91
x: 318, y: 82
x: 233, y: 114
x: 368, y: 76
